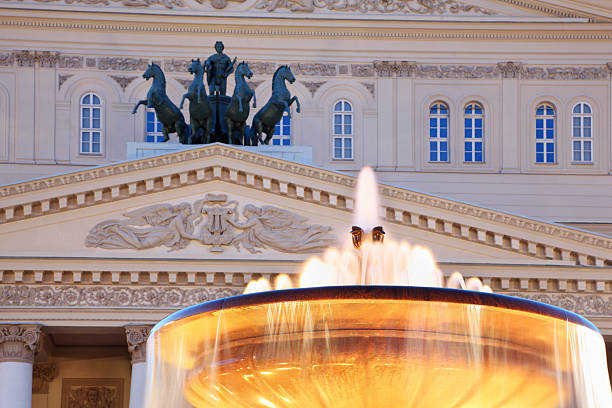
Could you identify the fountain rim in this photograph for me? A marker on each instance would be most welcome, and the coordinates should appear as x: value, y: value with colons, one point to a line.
x: 379, y: 292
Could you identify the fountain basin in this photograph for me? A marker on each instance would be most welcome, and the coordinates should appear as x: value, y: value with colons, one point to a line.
x: 376, y: 346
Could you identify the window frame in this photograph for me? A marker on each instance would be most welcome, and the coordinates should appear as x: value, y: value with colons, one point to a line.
x: 581, y: 140
x: 157, y: 135
x: 281, y: 127
x: 545, y: 142
x: 344, y: 138
x: 473, y: 139
x: 438, y: 139
x: 91, y: 107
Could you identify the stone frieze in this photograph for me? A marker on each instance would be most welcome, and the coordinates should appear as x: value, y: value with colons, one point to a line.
x: 122, y: 64
x: 213, y: 221
x: 110, y: 296
x: 587, y: 305
x: 418, y: 7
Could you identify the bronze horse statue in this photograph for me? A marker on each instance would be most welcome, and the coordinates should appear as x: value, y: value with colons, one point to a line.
x: 168, y: 113
x: 272, y: 112
x: 200, y: 111
x: 238, y: 110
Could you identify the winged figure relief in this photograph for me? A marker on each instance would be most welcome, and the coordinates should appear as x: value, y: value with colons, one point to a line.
x: 148, y: 227
x: 92, y: 397
x: 279, y: 229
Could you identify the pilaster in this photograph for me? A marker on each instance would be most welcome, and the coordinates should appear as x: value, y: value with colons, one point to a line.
x: 136, y: 336
x: 510, y: 117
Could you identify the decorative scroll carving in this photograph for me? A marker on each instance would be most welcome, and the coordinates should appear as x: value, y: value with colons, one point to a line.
x: 110, y: 296
x: 370, y: 88
x: 90, y: 62
x: 137, y: 336
x: 398, y: 68
x: 609, y: 66
x: 392, y: 6
x: 122, y: 64
x: 174, y: 226
x: 314, y: 69
x: 312, y: 86
x: 7, y: 60
x: 457, y: 71
x: 61, y: 79
x: 42, y: 375
x: 588, y: 305
x: 362, y: 70
x: 123, y: 81
x: 47, y: 59
x: 343, y: 69
x: 262, y: 68
x: 128, y: 3
x: 220, y: 4
x: 566, y: 73
x: 25, y: 58
x: 510, y: 69
x: 177, y: 65
x: 92, y: 392
x: 19, y: 342
x: 69, y: 61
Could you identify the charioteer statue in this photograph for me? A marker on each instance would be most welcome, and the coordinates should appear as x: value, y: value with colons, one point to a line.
x: 216, y: 117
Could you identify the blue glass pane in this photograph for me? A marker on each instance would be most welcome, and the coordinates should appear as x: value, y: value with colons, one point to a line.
x: 96, y: 113
x: 337, y: 119
x: 576, y: 156
x: 86, y: 100
x: 347, y: 107
x: 550, y: 157
x: 576, y: 132
x: 348, y: 130
x: 95, y: 137
x: 550, y: 123
x: 550, y: 148
x: 338, y: 106
x: 338, y: 129
x: 467, y: 146
x: 587, y: 132
x: 444, y: 122
x: 468, y: 110
x: 478, y: 146
x: 478, y: 122
x: 550, y: 133
x: 577, y: 109
x: 85, y: 115
x: 539, y: 157
x: 540, y: 147
x: 478, y: 110
x: 587, y: 156
x: 443, y: 132
x: 478, y: 157
x: 95, y: 147
x: 95, y: 100
x: 539, y: 123
x: 286, y: 142
x: 540, y: 110
x: 433, y: 146
x: 286, y: 120
x: 276, y: 142
x: 150, y: 116
x: 433, y: 110
x: 96, y: 123
x: 150, y: 127
x: 348, y: 119
x: 587, y: 146
x: 337, y: 142
x: 587, y: 122
x: 586, y: 108
x: 443, y: 110
x: 478, y: 133
x: 160, y: 138
x: 433, y: 122
x: 550, y: 111
x: 433, y: 132
x: 576, y: 122
x: 443, y: 156
x: 348, y: 143
x: 467, y: 123
x: 150, y: 139
x: 338, y: 152
x: 85, y: 147
x: 276, y: 130
x: 468, y: 156
x: 433, y: 156
x: 443, y: 146
x: 539, y: 134
x: 286, y: 130
x: 85, y: 136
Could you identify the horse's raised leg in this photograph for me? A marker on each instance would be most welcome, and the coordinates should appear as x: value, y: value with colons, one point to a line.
x: 242, y: 140
x: 299, y: 107
x: 140, y: 102
x: 228, y: 124
x: 183, y: 100
x: 207, y: 127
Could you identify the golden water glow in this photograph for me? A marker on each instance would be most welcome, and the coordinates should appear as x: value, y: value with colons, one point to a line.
x: 372, y: 353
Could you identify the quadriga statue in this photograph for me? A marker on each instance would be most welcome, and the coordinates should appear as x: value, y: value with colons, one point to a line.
x: 238, y: 110
x: 200, y: 111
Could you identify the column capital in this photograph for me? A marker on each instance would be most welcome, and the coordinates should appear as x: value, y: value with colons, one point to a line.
x: 510, y: 69
x: 19, y: 342
x: 42, y: 375
x: 397, y: 68
x: 137, y: 336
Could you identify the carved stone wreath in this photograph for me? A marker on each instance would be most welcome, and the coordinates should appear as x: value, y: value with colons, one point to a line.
x: 214, y: 221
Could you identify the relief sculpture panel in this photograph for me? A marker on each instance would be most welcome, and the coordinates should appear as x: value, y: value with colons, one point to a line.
x: 215, y: 222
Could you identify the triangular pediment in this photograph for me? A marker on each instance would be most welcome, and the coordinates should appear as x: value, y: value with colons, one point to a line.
x: 243, y: 206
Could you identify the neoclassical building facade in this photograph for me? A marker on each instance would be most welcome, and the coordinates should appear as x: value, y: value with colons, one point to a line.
x: 488, y: 123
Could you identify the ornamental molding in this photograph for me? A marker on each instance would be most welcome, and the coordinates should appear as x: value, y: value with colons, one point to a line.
x: 565, y: 73
x: 61, y: 79
x: 602, y: 34
x: 456, y: 71
x: 122, y: 64
x: 92, y: 392
x: 19, y: 342
x: 510, y: 69
x: 213, y: 221
x: 308, y: 192
x: 136, y: 336
x: 123, y: 81
x: 313, y: 69
x: 362, y: 70
x: 313, y: 86
x: 415, y: 7
x: 102, y: 297
x: 584, y: 305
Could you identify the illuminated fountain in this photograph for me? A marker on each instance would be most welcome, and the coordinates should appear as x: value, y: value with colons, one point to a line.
x: 367, y: 345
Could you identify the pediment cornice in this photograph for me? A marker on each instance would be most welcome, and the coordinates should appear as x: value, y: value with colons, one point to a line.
x: 218, y: 162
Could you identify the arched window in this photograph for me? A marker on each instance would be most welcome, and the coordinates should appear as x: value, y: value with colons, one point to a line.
x: 582, y: 133
x: 282, y: 131
x: 545, y: 133
x: 473, y: 133
x: 343, y: 130
x: 91, y: 124
x: 438, y: 132
x: 153, y: 132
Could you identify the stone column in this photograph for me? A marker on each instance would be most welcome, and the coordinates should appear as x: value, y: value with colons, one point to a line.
x: 18, y: 346
x: 137, y: 336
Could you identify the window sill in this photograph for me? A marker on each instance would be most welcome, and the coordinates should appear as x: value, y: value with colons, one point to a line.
x: 340, y: 159
x: 582, y: 163
x: 476, y: 163
x: 546, y: 164
x: 91, y: 154
x: 439, y: 162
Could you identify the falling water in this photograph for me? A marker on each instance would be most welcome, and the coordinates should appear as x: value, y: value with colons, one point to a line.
x: 375, y: 263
